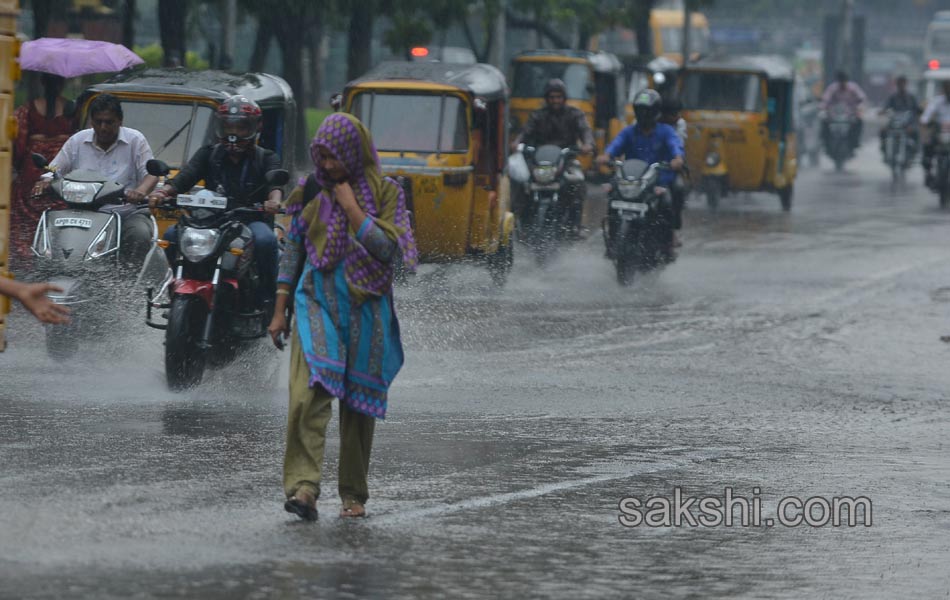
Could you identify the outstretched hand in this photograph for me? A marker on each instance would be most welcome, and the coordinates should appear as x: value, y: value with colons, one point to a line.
x: 33, y: 297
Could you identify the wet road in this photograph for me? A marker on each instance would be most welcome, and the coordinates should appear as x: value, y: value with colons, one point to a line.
x: 794, y: 353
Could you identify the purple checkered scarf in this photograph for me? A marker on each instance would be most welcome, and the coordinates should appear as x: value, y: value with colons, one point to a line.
x: 327, y: 237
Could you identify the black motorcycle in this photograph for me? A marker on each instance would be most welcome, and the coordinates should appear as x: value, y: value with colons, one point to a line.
x: 79, y: 249
x: 838, y: 143
x: 556, y: 183
x: 210, y: 298
x: 638, y: 231
x: 899, y: 145
x: 941, y: 158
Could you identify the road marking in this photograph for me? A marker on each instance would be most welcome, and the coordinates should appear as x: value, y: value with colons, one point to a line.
x: 542, y: 490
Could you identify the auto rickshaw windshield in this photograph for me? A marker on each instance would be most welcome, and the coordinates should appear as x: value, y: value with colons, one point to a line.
x: 531, y: 77
x: 167, y: 128
x: 722, y: 91
x: 424, y: 123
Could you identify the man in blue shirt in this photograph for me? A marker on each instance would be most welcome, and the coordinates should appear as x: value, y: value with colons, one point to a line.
x: 649, y: 141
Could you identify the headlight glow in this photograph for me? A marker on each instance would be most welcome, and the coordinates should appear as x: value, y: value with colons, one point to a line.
x: 630, y: 189
x: 712, y: 159
x: 197, y: 244
x: 543, y: 174
x: 77, y: 192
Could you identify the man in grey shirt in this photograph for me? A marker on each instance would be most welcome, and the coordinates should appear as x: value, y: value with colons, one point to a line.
x: 119, y: 153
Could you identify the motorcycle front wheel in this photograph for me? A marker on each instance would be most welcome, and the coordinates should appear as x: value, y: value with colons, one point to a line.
x: 184, y: 360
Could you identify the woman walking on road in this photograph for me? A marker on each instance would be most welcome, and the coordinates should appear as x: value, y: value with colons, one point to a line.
x: 349, y: 226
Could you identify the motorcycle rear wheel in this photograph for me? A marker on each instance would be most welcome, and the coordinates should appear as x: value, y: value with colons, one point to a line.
x: 184, y: 360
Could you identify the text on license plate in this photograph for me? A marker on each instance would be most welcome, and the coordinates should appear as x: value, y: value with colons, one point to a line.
x: 72, y: 222
x: 622, y: 205
x: 202, y: 201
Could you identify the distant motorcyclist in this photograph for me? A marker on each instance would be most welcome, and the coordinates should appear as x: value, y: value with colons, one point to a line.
x: 235, y: 167
x: 850, y: 95
x: 119, y: 153
x: 937, y: 113
x: 650, y: 141
x: 898, y: 102
x: 563, y: 126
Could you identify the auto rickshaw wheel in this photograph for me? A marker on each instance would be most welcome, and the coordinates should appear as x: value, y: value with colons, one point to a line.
x: 785, y: 195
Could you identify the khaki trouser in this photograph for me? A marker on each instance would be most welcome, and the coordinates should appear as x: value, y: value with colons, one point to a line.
x: 307, y: 419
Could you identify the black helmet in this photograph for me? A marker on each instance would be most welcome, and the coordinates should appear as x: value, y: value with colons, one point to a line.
x: 646, y: 107
x: 237, y: 121
x: 555, y: 85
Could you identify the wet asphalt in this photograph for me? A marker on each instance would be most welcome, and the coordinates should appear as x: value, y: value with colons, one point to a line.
x: 796, y: 354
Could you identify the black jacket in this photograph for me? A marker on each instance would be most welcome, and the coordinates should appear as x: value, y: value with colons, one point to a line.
x: 242, y: 182
x: 563, y: 128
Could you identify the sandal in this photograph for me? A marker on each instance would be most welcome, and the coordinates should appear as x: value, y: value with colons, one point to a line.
x: 352, y: 509
x: 303, y: 505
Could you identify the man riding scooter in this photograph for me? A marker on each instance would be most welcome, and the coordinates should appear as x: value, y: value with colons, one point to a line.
x: 850, y: 96
x: 235, y: 167
x: 937, y: 113
x: 119, y: 153
x: 560, y: 125
x: 650, y: 141
x: 670, y: 114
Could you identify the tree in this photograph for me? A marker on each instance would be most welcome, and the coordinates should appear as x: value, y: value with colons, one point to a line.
x: 359, y: 37
x: 128, y: 23
x: 171, y: 26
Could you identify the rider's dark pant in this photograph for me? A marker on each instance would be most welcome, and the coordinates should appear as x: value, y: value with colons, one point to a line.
x: 265, y: 255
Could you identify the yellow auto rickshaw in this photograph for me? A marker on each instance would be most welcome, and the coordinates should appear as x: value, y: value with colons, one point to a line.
x: 442, y: 129
x: 174, y: 109
x: 741, y: 126
x: 594, y: 83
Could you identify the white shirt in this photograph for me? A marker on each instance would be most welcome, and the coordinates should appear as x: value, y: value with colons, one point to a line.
x: 123, y: 163
x: 938, y: 107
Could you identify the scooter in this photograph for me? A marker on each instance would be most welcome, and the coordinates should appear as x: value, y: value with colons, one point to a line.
x: 210, y: 297
x: 637, y: 230
x: 899, y: 145
x: 79, y: 250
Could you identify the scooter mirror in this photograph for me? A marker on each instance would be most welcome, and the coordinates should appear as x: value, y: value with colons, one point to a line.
x: 277, y: 177
x: 156, y: 167
x: 336, y: 101
x: 39, y: 161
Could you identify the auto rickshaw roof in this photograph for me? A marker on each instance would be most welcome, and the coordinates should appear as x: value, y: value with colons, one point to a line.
x: 262, y: 88
x: 484, y: 81
x: 937, y: 74
x: 602, y: 62
x: 773, y: 67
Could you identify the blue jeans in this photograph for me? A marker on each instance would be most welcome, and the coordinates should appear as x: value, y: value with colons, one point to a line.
x: 265, y: 255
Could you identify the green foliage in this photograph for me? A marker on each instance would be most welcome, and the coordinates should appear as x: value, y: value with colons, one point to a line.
x: 153, y: 55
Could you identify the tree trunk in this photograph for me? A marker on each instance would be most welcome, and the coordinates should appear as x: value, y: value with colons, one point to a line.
x: 128, y: 24
x: 262, y: 40
x: 291, y: 53
x: 358, y: 51
x: 314, y: 47
x: 171, y: 25
x: 42, y: 10
x: 641, y: 26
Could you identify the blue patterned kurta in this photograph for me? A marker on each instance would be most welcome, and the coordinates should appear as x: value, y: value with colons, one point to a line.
x: 353, y: 350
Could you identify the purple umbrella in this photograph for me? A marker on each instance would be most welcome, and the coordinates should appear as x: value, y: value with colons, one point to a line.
x: 69, y: 57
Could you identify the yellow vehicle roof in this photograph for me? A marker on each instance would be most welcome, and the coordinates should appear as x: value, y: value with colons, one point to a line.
x: 484, y: 81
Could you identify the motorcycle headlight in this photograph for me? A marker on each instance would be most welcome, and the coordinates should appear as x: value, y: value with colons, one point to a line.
x: 630, y: 189
x: 712, y: 159
x: 78, y: 192
x: 197, y: 244
x: 543, y: 174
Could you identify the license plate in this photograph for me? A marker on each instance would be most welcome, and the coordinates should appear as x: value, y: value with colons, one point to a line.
x: 202, y: 201
x: 634, y: 206
x: 72, y: 222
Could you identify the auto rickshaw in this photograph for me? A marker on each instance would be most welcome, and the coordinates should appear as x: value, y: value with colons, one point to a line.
x: 442, y: 129
x: 741, y: 126
x: 594, y: 84
x: 174, y: 109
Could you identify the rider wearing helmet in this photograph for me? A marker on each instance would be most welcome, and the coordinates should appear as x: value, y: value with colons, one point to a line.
x: 650, y: 141
x: 235, y: 167
x: 563, y: 126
